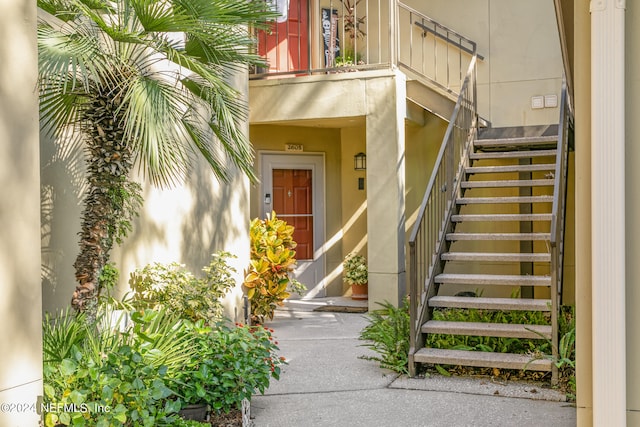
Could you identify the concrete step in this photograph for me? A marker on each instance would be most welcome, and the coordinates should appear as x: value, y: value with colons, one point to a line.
x: 522, y: 154
x: 481, y: 303
x: 506, y: 199
x: 499, y: 236
x: 508, y: 183
x: 500, y: 217
x: 481, y: 359
x: 493, y: 279
x: 511, y: 168
x: 496, y: 257
x: 487, y: 329
x: 517, y: 142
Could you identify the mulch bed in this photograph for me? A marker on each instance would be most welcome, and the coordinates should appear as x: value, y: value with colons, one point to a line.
x: 232, y: 419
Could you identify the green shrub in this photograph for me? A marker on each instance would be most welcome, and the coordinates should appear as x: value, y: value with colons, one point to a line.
x: 172, y: 286
x: 388, y: 333
x: 105, y: 377
x: 228, y: 364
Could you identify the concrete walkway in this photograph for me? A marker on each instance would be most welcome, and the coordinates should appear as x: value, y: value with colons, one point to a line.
x: 326, y: 384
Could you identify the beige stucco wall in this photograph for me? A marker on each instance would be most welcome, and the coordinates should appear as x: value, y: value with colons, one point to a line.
x: 519, y: 40
x: 185, y: 223
x: 582, y: 84
x: 20, y: 305
x: 632, y: 79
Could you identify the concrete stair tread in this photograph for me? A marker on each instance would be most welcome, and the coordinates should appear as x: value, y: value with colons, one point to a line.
x: 508, y: 183
x: 501, y: 217
x: 491, y: 303
x: 505, y: 199
x: 520, y: 154
x: 496, y: 256
x: 498, y: 236
x: 481, y: 359
x: 493, y: 279
x: 511, y: 168
x: 508, y: 330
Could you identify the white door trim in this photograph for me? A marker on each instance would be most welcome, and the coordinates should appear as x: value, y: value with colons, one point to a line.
x: 311, y: 271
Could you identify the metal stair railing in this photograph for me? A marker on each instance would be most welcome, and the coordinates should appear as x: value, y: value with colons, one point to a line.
x: 427, y: 241
x: 431, y: 52
x: 558, y: 214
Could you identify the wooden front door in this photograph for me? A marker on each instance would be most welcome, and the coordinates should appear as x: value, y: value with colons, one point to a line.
x: 293, y: 186
x: 293, y: 202
x: 285, y: 45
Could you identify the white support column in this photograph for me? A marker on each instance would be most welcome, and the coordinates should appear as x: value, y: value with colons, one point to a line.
x: 608, y: 211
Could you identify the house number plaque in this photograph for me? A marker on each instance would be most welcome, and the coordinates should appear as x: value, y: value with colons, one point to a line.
x: 293, y: 147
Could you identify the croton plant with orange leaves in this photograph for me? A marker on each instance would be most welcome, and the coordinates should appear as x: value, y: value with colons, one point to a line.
x: 267, y: 280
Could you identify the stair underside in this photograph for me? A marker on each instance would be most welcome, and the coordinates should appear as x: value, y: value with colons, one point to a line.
x: 512, y: 154
x: 505, y: 330
x: 520, y: 304
x: 500, y: 217
x: 501, y: 200
x: 508, y: 183
x: 493, y: 279
x: 511, y: 168
x: 498, y: 257
x: 481, y: 359
x: 517, y: 142
x: 498, y: 236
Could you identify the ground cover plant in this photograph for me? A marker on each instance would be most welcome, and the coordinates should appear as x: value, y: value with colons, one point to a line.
x: 144, y: 359
x: 388, y: 335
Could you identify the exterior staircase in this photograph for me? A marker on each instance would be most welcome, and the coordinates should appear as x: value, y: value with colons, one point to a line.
x: 491, y: 223
x: 496, y: 246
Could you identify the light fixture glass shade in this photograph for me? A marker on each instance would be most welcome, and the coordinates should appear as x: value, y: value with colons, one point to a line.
x: 360, y: 162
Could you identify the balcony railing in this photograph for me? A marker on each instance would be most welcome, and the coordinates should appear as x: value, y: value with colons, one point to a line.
x: 320, y: 36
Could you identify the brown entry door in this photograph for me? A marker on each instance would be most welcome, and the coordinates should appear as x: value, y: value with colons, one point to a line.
x: 293, y: 202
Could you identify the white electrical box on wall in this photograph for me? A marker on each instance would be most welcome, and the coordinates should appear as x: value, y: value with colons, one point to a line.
x: 537, y: 102
x: 551, y: 101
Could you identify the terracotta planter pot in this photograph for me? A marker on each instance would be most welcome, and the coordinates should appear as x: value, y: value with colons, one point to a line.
x: 360, y: 292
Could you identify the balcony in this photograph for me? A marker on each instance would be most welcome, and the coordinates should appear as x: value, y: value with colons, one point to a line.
x: 326, y: 36
x: 333, y: 36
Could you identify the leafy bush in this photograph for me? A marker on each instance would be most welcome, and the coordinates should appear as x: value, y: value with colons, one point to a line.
x: 388, y: 333
x: 227, y: 365
x: 100, y: 376
x: 272, y: 260
x: 355, y: 270
x: 174, y: 287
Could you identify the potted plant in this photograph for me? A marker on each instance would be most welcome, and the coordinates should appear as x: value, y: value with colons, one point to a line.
x: 356, y: 274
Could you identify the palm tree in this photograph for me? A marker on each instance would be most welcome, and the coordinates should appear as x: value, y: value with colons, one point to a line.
x: 144, y: 83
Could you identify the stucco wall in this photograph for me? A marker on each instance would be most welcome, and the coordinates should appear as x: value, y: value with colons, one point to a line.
x: 632, y: 79
x: 20, y: 312
x: 185, y: 223
x: 519, y: 40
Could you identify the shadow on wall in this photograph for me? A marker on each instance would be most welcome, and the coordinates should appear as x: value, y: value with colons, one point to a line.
x: 186, y: 223
x: 62, y: 186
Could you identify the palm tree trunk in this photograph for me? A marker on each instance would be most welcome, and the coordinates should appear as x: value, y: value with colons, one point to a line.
x: 111, y: 200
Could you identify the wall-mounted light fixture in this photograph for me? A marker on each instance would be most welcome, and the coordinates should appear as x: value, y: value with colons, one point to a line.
x: 360, y: 162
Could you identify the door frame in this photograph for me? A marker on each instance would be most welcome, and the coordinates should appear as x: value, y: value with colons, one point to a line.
x: 269, y: 160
